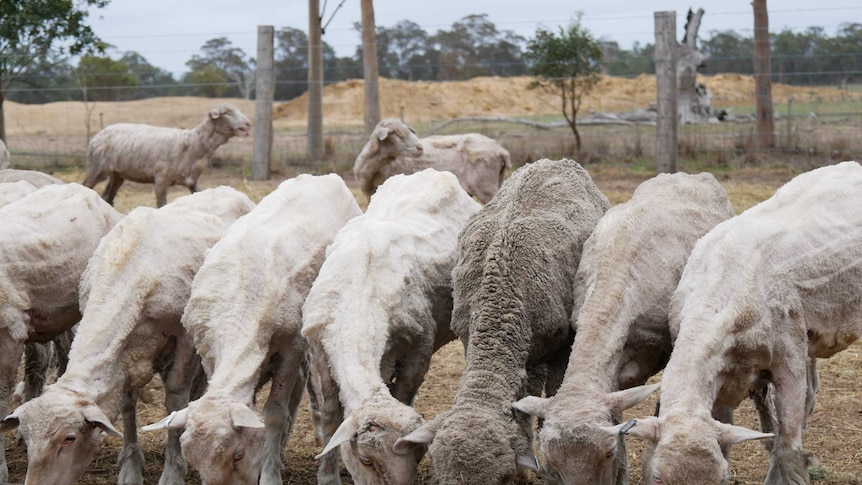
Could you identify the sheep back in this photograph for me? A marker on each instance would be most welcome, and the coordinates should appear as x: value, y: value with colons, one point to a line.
x: 11, y: 191
x: 35, y: 177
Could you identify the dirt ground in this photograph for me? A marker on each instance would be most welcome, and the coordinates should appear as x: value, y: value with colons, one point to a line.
x: 833, y: 434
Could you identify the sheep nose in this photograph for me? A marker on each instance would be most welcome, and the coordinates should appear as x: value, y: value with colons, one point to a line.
x: 419, y: 148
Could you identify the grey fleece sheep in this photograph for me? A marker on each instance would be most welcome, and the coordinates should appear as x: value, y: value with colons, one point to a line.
x: 761, y: 295
x: 628, y: 271
x: 163, y: 156
x: 513, y: 297
x: 479, y: 162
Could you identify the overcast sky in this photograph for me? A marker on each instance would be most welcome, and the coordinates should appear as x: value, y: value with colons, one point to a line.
x: 169, y: 32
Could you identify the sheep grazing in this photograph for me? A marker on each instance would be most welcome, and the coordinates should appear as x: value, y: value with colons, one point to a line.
x: 479, y: 162
x: 34, y: 177
x: 628, y: 271
x: 761, y: 294
x: 379, y: 308
x: 133, y: 292
x: 513, y: 297
x: 46, y: 239
x: 163, y: 156
x: 4, y: 156
x: 273, y: 253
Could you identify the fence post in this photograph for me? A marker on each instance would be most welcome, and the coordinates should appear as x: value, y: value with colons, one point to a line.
x: 315, y: 84
x: 264, y: 97
x: 762, y: 73
x: 666, y: 91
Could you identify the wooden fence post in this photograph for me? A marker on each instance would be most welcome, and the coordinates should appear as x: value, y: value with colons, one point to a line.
x: 762, y: 73
x: 264, y: 97
x: 666, y: 91
x: 315, y: 84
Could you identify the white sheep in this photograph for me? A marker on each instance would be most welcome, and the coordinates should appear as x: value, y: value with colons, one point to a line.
x: 133, y: 292
x: 12, y: 191
x: 35, y: 177
x: 479, y: 162
x: 513, y: 287
x: 4, y: 156
x: 628, y: 271
x: 761, y: 294
x: 244, y: 316
x: 46, y: 240
x: 159, y: 155
x: 379, y: 308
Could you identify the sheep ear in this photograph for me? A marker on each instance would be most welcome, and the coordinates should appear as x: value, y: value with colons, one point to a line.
x: 10, y: 422
x: 423, y: 435
x: 645, y: 429
x: 345, y: 432
x: 215, y: 113
x: 382, y: 133
x: 622, y: 400
x: 95, y: 417
x: 730, y: 434
x: 243, y: 417
x: 175, y: 420
x: 533, y: 405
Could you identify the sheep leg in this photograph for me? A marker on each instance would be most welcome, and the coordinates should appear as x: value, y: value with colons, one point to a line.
x: 178, y: 382
x: 330, y: 414
x: 161, y: 187
x: 114, y: 183
x: 764, y: 404
x: 37, y: 360
x: 409, y: 377
x: 131, y: 457
x: 10, y: 357
x: 788, y: 461
x: 279, y: 413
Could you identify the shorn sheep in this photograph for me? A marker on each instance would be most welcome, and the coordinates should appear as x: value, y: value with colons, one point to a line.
x: 133, y: 292
x: 479, y: 162
x: 761, y: 294
x: 628, y: 271
x: 34, y: 177
x: 380, y: 307
x: 159, y: 155
x: 513, y: 298
x: 4, y: 156
x: 244, y: 316
x: 46, y: 240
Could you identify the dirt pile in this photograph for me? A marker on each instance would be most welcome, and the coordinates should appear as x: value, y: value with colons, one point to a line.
x: 419, y: 101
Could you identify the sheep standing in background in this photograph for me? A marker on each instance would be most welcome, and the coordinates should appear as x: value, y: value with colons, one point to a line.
x: 513, y: 298
x: 133, y: 292
x: 380, y: 307
x: 4, y: 156
x: 479, y: 162
x: 244, y: 316
x: 46, y: 240
x: 628, y: 271
x: 163, y: 156
x: 761, y: 295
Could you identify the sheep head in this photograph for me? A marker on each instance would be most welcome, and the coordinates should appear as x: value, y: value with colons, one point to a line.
x: 685, y: 449
x: 62, y: 431
x: 223, y: 440
x: 572, y: 440
x: 230, y: 121
x: 390, y: 141
x: 367, y: 443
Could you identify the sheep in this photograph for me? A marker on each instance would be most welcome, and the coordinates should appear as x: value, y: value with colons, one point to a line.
x: 12, y: 191
x: 513, y: 288
x: 379, y: 308
x: 46, y: 239
x: 34, y: 177
x: 273, y: 253
x: 4, y: 156
x: 479, y: 162
x: 761, y: 295
x: 628, y: 271
x: 159, y: 155
x: 132, y: 295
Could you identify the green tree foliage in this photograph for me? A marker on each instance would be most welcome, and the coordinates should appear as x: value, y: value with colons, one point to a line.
x: 474, y: 47
x: 291, y: 64
x: 152, y: 81
x: 30, y: 29
x: 104, y: 79
x: 209, y: 81
x: 568, y: 64
x: 235, y: 67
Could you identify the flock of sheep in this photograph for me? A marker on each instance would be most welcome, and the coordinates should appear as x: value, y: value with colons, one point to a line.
x: 565, y: 306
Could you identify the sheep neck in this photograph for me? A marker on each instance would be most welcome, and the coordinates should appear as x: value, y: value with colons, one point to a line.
x: 210, y: 138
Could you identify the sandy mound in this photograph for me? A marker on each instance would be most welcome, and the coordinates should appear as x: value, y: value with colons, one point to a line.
x: 418, y: 101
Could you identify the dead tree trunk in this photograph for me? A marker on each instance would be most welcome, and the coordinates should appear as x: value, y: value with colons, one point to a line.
x: 762, y: 74
x: 695, y: 100
x: 369, y: 67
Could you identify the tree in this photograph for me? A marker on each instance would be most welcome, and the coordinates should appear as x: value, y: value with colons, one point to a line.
x: 232, y: 62
x: 474, y: 47
x: 567, y: 64
x: 30, y: 29
x: 153, y: 81
x: 101, y: 78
